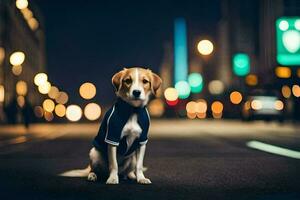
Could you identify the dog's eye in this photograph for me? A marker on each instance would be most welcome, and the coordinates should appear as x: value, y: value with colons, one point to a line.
x: 128, y: 81
x: 145, y: 81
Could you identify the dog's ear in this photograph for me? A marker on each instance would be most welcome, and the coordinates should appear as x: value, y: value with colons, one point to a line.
x: 155, y: 83
x: 117, y: 79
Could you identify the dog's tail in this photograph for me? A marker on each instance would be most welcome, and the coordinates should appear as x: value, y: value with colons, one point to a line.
x: 77, y: 172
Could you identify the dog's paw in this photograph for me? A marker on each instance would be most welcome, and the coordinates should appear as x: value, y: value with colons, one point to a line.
x: 144, y: 181
x: 92, y: 177
x: 131, y: 176
x: 113, y: 179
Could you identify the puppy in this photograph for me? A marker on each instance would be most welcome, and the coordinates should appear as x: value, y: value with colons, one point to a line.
x: 120, y: 145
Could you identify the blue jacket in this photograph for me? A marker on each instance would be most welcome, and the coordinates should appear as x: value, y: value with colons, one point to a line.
x: 112, y: 125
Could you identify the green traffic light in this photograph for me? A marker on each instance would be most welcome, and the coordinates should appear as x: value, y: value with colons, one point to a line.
x: 241, y: 64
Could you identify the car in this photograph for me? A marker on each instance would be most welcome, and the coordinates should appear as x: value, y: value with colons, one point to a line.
x: 263, y: 105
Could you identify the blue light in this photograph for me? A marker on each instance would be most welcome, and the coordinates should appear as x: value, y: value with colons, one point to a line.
x: 180, y: 51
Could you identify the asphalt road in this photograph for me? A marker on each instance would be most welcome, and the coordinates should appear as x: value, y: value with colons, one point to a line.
x: 185, y: 160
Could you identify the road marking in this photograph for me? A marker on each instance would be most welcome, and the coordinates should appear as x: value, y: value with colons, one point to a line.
x: 273, y: 149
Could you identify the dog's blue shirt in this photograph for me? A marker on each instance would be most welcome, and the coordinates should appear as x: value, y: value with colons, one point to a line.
x: 113, y: 123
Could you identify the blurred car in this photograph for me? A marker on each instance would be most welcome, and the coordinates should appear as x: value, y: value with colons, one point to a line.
x: 263, y: 105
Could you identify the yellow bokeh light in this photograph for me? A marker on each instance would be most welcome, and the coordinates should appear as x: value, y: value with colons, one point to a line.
x: 17, y: 69
x: 216, y: 87
x: 27, y: 14
x: 21, y: 101
x: 48, y: 105
x: 217, y: 107
x: 92, y: 111
x: 73, y: 113
x: 44, y: 88
x: 17, y: 58
x: 38, y: 111
x: 171, y: 94
x: 251, y: 80
x: 236, y: 97
x: 87, y: 90
x: 191, y: 107
x: 201, y: 106
x: 296, y: 90
x: 191, y: 115
x: 156, y: 108
x: 283, y: 72
x: 60, y: 110
x: 286, y: 91
x: 2, y: 93
x: 53, y: 93
x: 62, y: 98
x: 217, y: 115
x: 256, y: 104
x: 21, y: 4
x: 205, y: 47
x: 21, y: 88
x: 40, y: 79
x: 278, y: 105
x: 48, y: 116
x: 33, y: 23
x: 201, y: 115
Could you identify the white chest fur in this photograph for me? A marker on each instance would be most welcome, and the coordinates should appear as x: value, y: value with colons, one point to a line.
x: 132, y: 130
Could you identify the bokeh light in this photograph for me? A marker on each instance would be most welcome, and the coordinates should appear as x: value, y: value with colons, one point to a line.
x: 183, y: 89
x: 21, y: 88
x: 21, y: 4
x: 17, y: 58
x: 38, y: 111
x: 217, y: 107
x: 201, y: 106
x: 60, y: 110
x: 241, y: 64
x: 172, y: 103
x: 286, y: 91
x: 27, y: 14
x: 191, y: 107
x: 205, y: 47
x: 33, y: 23
x: 92, y: 111
x: 278, y: 105
x: 48, y: 105
x: 87, y: 90
x: 217, y: 115
x: 256, y: 105
x: 21, y: 101
x: 48, y: 116
x: 73, y: 113
x: 44, y: 88
x: 196, y: 82
x: 62, y: 98
x: 296, y: 90
x: 156, y: 108
x: 191, y: 115
x: 236, y: 97
x: 40, y: 79
x: 17, y: 70
x: 53, y: 93
x: 201, y: 115
x: 283, y: 72
x: 171, y: 94
x: 216, y: 87
x: 251, y: 80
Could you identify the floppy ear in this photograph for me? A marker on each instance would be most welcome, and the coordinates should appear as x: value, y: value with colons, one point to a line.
x: 117, y: 79
x: 155, y: 83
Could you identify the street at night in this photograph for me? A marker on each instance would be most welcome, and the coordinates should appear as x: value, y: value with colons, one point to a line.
x: 185, y: 160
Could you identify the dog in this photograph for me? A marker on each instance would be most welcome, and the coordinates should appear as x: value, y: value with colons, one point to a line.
x: 120, y: 145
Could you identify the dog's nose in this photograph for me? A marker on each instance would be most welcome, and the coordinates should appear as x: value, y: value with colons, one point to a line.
x: 136, y: 93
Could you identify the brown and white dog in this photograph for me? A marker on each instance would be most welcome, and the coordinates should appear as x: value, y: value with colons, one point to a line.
x: 134, y: 87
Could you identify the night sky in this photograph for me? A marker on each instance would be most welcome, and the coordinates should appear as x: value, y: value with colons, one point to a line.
x: 91, y: 40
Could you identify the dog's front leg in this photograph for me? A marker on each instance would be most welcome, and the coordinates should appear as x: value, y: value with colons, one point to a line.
x: 139, y: 165
x: 113, y: 165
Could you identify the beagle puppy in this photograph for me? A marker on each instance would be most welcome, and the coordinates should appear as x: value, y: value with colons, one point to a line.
x: 120, y: 144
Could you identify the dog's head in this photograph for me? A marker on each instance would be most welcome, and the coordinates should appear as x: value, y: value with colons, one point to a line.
x: 134, y: 85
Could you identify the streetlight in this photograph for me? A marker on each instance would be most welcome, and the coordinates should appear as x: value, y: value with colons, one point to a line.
x: 205, y: 47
